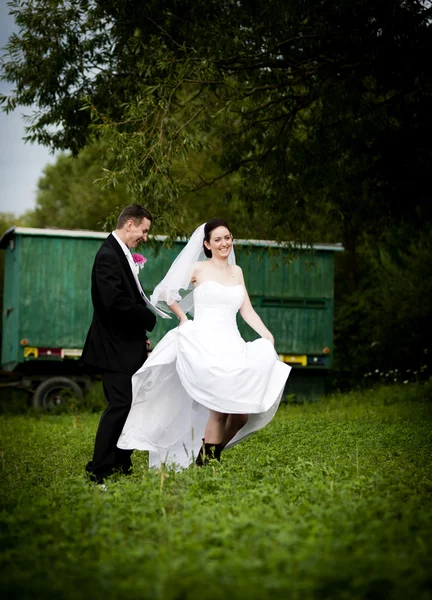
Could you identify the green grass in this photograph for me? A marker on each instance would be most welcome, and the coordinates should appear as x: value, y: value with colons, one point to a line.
x: 332, y: 500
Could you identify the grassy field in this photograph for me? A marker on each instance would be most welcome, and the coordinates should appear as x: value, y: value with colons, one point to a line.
x: 332, y: 500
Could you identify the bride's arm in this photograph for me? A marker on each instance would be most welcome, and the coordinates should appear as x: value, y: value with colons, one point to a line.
x: 248, y: 313
x: 175, y: 306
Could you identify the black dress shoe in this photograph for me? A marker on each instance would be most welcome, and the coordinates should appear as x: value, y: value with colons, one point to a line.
x: 99, y: 475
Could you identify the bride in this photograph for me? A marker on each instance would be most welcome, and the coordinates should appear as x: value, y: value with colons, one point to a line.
x: 204, y: 388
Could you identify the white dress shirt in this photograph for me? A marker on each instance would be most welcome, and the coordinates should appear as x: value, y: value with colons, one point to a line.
x: 135, y: 270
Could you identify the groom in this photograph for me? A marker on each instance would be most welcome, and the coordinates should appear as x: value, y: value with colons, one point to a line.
x: 116, y: 343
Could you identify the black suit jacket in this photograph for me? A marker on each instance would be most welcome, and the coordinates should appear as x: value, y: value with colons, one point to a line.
x: 117, y: 337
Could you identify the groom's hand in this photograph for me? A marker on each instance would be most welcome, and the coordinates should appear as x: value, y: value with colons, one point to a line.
x: 148, y: 344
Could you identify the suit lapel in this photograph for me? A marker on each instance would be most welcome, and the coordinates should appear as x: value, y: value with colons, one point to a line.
x: 119, y: 251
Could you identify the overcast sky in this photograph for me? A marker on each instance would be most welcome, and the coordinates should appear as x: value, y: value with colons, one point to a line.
x: 21, y: 164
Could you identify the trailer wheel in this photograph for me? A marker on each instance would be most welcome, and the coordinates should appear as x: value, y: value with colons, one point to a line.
x: 55, y: 391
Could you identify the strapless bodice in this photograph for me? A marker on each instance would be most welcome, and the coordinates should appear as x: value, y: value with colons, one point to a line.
x: 217, y: 303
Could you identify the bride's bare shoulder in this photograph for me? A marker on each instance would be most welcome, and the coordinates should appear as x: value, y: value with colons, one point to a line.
x: 237, y: 273
x: 197, y: 269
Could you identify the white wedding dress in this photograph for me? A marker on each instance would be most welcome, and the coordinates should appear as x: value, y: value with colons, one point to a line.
x: 203, y: 364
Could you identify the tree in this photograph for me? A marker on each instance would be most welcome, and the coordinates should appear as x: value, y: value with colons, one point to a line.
x: 303, y: 120
x: 385, y: 325
x: 312, y: 98
x: 69, y: 197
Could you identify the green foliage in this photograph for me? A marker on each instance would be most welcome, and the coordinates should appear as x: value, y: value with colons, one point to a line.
x: 70, y: 194
x: 69, y: 197
x: 314, y: 104
x: 385, y: 324
x: 332, y: 500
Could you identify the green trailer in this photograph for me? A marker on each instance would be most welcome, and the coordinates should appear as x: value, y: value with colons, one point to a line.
x: 47, y: 305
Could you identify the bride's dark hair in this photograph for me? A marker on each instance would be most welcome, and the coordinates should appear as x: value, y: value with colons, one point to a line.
x: 208, y: 228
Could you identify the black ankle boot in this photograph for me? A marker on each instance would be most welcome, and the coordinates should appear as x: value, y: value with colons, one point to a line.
x: 208, y: 452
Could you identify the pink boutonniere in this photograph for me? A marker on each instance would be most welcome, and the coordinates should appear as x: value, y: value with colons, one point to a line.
x: 139, y: 260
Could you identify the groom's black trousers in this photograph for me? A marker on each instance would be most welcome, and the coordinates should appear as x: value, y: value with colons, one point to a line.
x: 107, y: 458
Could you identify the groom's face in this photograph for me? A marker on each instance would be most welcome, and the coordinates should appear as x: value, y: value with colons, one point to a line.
x: 137, y: 234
